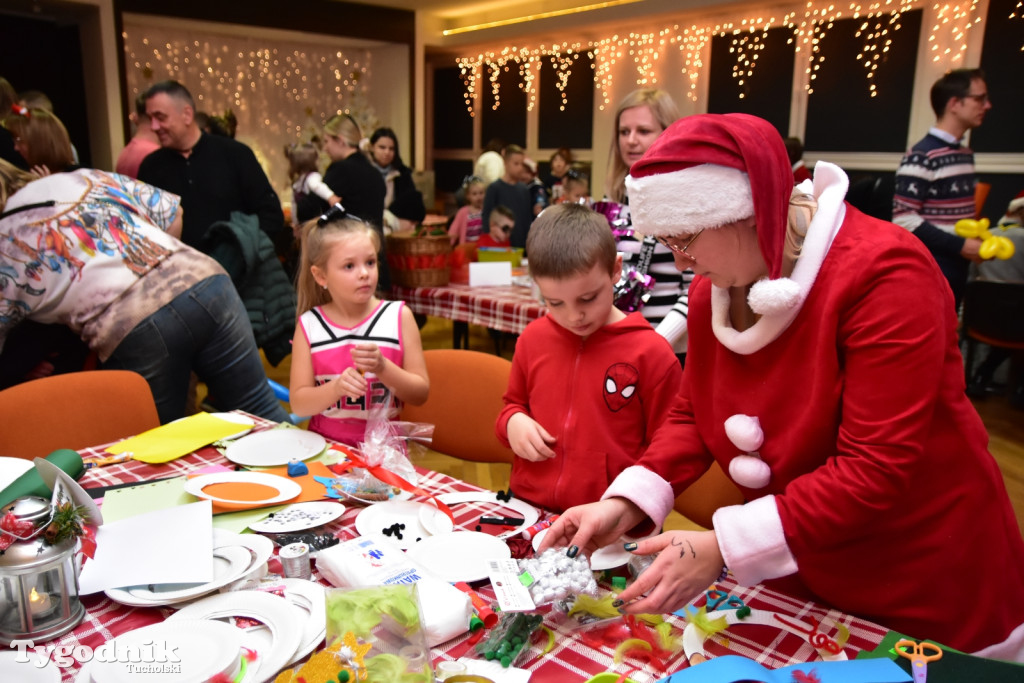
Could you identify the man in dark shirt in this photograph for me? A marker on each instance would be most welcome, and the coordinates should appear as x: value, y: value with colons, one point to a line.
x: 213, y: 175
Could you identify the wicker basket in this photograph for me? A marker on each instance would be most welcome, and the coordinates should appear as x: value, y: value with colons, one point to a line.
x: 419, y: 261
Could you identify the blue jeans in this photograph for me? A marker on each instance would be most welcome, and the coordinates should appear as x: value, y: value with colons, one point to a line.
x: 205, y: 329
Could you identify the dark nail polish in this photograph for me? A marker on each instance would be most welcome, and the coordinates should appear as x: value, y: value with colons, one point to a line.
x: 617, y: 603
x: 631, y: 546
x: 572, y: 551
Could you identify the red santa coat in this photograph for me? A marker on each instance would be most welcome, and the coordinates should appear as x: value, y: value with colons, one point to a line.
x: 600, y: 397
x: 883, y: 499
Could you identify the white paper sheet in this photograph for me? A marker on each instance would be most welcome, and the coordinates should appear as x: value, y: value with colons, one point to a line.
x: 490, y: 273
x: 173, y: 545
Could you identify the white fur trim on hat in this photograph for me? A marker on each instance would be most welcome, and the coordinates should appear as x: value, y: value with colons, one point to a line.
x: 768, y: 297
x: 688, y: 200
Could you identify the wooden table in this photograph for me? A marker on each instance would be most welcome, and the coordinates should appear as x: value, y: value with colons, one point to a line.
x: 576, y: 655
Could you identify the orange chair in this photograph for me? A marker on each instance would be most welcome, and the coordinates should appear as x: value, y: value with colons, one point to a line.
x: 465, y: 398
x: 981, y: 190
x: 74, y: 410
x: 712, y: 491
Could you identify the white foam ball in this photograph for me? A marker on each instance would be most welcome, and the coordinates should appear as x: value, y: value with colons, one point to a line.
x: 750, y: 471
x: 768, y: 297
x: 745, y: 432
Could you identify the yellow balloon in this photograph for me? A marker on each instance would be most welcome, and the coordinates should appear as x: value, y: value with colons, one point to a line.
x: 966, y: 227
x: 988, y: 249
x: 1006, y: 248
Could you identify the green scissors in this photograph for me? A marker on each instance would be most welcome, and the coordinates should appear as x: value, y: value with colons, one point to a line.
x: 919, y: 655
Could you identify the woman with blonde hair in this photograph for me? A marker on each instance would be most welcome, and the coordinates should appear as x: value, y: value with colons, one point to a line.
x: 639, y: 119
x: 41, y: 139
x: 352, y: 177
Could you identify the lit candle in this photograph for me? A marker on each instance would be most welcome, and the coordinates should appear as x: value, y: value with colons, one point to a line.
x: 38, y: 602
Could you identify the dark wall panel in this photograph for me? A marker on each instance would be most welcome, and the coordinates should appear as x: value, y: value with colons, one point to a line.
x: 449, y: 173
x: 453, y: 125
x: 1003, y: 62
x: 841, y: 114
x: 766, y: 93
x: 508, y: 121
x: 570, y: 124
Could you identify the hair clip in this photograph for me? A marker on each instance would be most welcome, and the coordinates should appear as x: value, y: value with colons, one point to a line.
x: 21, y: 110
x: 335, y: 213
x: 470, y: 179
x: 575, y: 175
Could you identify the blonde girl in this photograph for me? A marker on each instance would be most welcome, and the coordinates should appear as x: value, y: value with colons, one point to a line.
x: 468, y: 225
x: 307, y: 184
x: 338, y: 374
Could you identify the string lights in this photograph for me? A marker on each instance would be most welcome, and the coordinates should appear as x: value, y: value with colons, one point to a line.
x: 279, y: 91
x: 881, y: 19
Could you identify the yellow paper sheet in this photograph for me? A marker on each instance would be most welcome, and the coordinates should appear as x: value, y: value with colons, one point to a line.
x: 175, y: 439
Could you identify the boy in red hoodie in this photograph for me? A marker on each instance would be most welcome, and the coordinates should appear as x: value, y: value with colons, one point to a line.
x: 589, y: 383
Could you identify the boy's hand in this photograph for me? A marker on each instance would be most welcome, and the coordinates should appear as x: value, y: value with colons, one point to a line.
x: 528, y: 439
x: 368, y: 358
x: 349, y: 384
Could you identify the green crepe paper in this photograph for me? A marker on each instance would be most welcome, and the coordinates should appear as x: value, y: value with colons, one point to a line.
x: 360, y: 611
x: 392, y: 668
x: 953, y: 667
x: 31, y: 484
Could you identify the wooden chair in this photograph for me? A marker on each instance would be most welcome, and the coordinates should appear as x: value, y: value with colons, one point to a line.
x: 465, y: 398
x: 74, y: 410
x: 712, y: 491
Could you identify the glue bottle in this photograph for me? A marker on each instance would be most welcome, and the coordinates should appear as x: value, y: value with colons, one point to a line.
x: 534, y: 529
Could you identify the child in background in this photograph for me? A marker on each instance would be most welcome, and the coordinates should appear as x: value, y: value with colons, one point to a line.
x: 575, y: 188
x: 467, y: 225
x: 337, y: 373
x: 510, y: 191
x: 310, y: 195
x: 589, y: 384
x: 502, y: 223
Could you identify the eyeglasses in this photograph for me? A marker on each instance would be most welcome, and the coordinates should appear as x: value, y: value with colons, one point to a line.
x: 980, y: 98
x: 664, y: 241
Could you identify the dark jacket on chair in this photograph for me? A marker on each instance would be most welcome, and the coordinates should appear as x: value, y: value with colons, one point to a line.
x: 248, y: 255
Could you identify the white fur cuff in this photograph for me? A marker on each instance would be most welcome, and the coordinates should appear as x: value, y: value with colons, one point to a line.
x: 752, y: 542
x: 695, y: 198
x: 646, y: 490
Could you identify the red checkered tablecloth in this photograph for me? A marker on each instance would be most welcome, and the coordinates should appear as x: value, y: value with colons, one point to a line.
x: 576, y: 656
x: 508, y: 309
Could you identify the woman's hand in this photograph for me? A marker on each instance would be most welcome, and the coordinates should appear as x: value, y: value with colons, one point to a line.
x: 689, y: 562
x: 368, y: 358
x: 349, y: 384
x: 528, y: 439
x: 40, y: 171
x: 592, y: 526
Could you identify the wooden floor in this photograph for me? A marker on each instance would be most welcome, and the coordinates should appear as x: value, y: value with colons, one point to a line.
x: 1005, y: 426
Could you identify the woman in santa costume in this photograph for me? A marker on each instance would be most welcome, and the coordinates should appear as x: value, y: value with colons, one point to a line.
x: 826, y: 379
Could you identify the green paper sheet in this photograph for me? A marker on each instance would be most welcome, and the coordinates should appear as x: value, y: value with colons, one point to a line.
x: 31, y: 484
x: 135, y: 500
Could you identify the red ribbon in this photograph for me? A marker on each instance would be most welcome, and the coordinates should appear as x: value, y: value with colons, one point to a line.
x: 386, y: 476
x: 18, y: 528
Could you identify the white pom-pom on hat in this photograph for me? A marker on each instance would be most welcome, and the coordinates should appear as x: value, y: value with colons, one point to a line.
x: 750, y: 471
x: 745, y: 432
x: 769, y: 297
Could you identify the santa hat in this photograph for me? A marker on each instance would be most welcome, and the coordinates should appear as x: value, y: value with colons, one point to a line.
x: 1016, y: 204
x: 710, y: 170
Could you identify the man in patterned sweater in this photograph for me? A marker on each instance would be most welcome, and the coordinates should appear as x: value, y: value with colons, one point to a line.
x: 935, y: 180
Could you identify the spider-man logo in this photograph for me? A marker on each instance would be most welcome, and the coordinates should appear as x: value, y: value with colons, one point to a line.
x: 619, y: 385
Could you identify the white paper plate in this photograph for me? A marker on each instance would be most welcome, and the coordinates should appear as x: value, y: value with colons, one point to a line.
x: 11, y: 469
x: 204, y: 648
x: 460, y: 555
x: 50, y: 473
x: 260, y: 548
x: 230, y: 563
x: 281, y: 617
x: 310, y: 597
x: 26, y: 672
x: 373, y: 520
x: 275, y: 447
x: 529, y: 513
x: 299, y: 517
x: 608, y: 557
x: 285, y: 487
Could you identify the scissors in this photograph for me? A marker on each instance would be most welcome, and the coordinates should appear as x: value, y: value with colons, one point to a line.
x: 919, y: 655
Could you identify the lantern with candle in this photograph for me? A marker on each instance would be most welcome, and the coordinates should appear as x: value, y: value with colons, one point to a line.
x: 39, y: 569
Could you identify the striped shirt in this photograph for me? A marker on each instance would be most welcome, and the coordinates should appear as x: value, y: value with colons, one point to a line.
x: 934, y: 184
